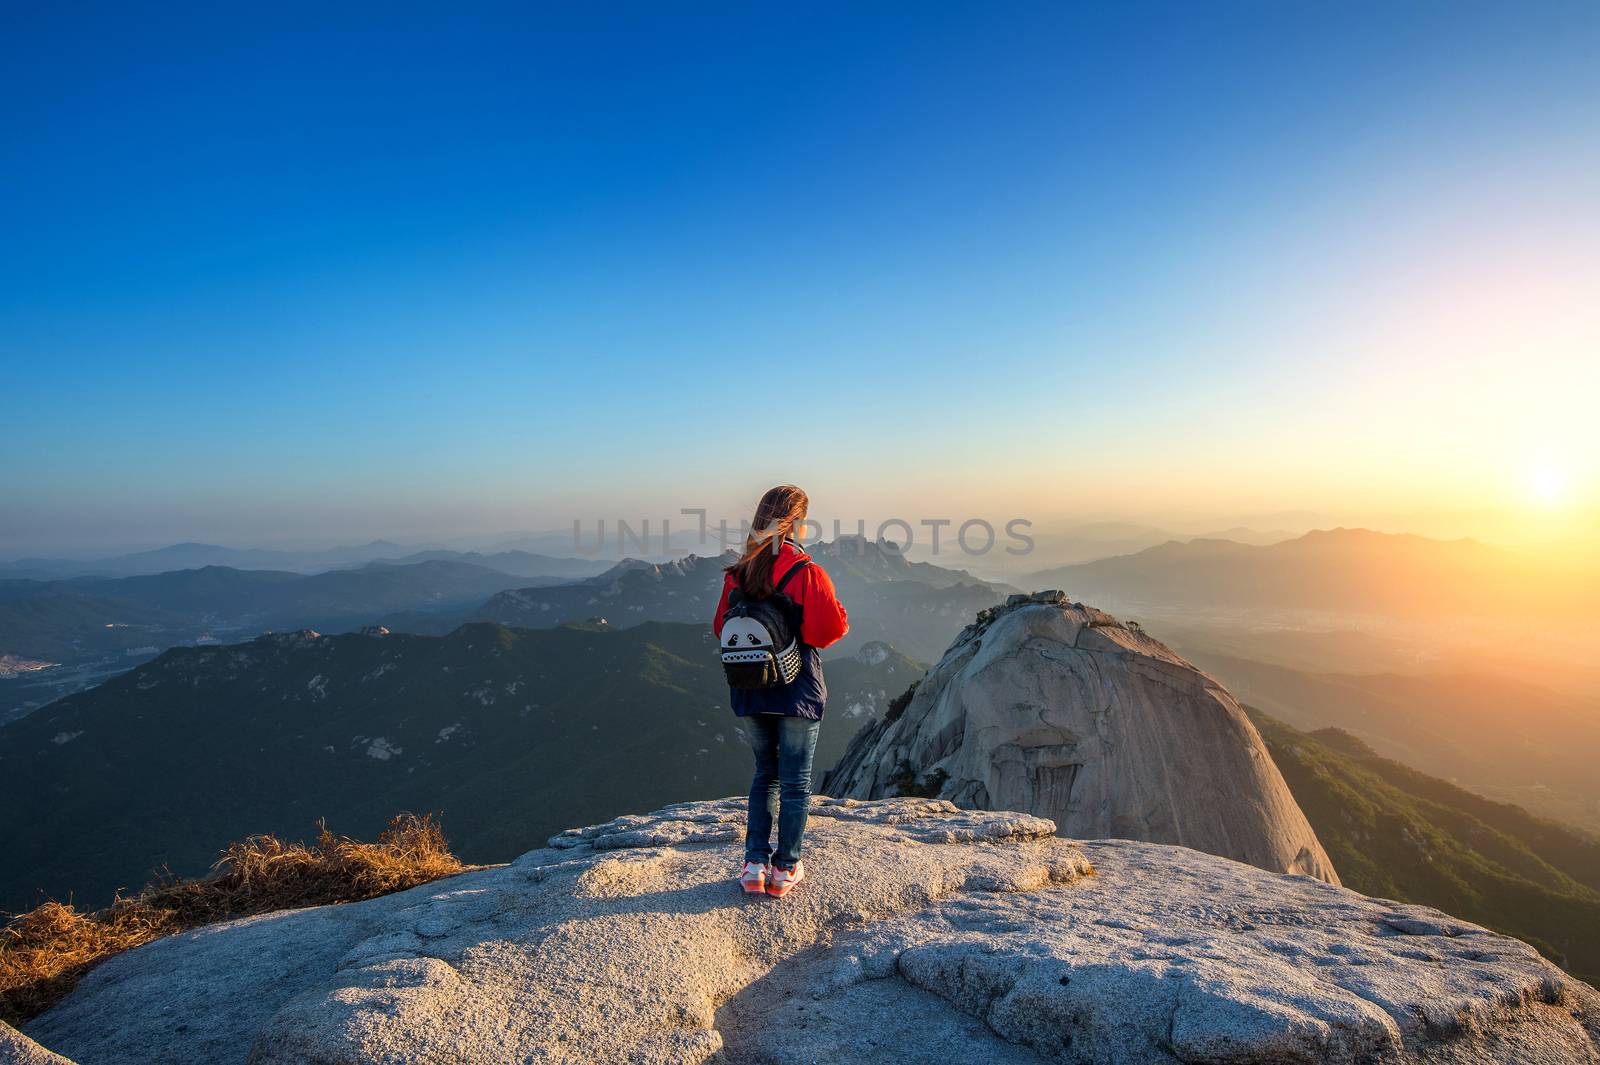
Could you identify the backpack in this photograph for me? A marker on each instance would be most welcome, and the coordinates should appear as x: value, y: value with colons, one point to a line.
x: 761, y: 637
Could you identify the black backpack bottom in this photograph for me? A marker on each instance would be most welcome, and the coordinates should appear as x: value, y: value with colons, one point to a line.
x: 746, y: 669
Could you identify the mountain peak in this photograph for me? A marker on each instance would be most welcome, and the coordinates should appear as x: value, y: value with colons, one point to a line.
x: 848, y: 544
x: 298, y: 638
x: 1360, y: 535
x: 1053, y: 707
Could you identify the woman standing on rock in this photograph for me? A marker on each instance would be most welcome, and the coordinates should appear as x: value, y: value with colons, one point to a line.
x: 777, y: 610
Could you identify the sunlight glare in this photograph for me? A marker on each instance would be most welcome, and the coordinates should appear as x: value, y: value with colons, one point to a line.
x: 1548, y: 484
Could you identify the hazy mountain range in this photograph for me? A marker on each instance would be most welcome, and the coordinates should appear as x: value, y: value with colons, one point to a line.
x: 94, y: 627
x: 511, y: 734
x: 64, y: 619
x: 515, y: 562
x: 1342, y: 570
x: 196, y: 555
x: 1107, y: 539
x: 508, y: 559
x: 917, y: 606
x: 587, y: 554
x: 542, y: 554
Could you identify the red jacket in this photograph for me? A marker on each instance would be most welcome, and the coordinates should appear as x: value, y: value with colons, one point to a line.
x: 823, y: 621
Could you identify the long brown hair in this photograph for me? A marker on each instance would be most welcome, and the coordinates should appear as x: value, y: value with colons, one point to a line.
x: 780, y: 510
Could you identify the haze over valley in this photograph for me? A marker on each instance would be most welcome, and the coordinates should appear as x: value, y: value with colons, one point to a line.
x: 1399, y: 640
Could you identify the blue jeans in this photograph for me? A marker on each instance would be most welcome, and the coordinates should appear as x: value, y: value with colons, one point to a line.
x: 783, y: 747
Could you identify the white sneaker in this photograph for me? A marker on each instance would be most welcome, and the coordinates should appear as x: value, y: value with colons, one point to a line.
x: 781, y: 880
x: 754, y: 878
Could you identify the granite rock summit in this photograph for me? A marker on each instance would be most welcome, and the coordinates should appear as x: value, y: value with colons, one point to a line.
x: 925, y: 935
x: 1059, y: 709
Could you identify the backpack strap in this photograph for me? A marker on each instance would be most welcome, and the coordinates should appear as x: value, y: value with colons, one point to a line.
x: 792, y: 570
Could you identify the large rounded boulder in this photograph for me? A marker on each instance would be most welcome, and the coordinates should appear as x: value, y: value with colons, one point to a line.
x: 1058, y: 709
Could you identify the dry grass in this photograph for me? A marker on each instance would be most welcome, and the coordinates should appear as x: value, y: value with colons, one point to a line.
x: 45, y: 951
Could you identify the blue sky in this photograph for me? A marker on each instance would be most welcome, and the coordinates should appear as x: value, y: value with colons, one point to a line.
x: 277, y: 274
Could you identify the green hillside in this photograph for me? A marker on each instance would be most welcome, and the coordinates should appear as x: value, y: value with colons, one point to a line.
x: 1452, y: 725
x: 509, y: 734
x: 1396, y: 833
x: 69, y: 625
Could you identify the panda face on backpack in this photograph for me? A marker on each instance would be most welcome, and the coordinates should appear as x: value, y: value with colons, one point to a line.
x: 760, y: 641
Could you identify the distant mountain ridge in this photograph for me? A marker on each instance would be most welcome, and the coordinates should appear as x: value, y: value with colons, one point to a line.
x: 516, y: 562
x: 222, y: 597
x: 97, y: 626
x: 93, y: 625
x: 580, y: 547
x: 197, y: 555
x: 191, y: 555
x: 1353, y: 570
x: 1088, y: 542
x: 916, y: 606
x: 882, y: 560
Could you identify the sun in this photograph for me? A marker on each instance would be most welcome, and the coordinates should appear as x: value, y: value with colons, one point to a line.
x: 1548, y: 483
